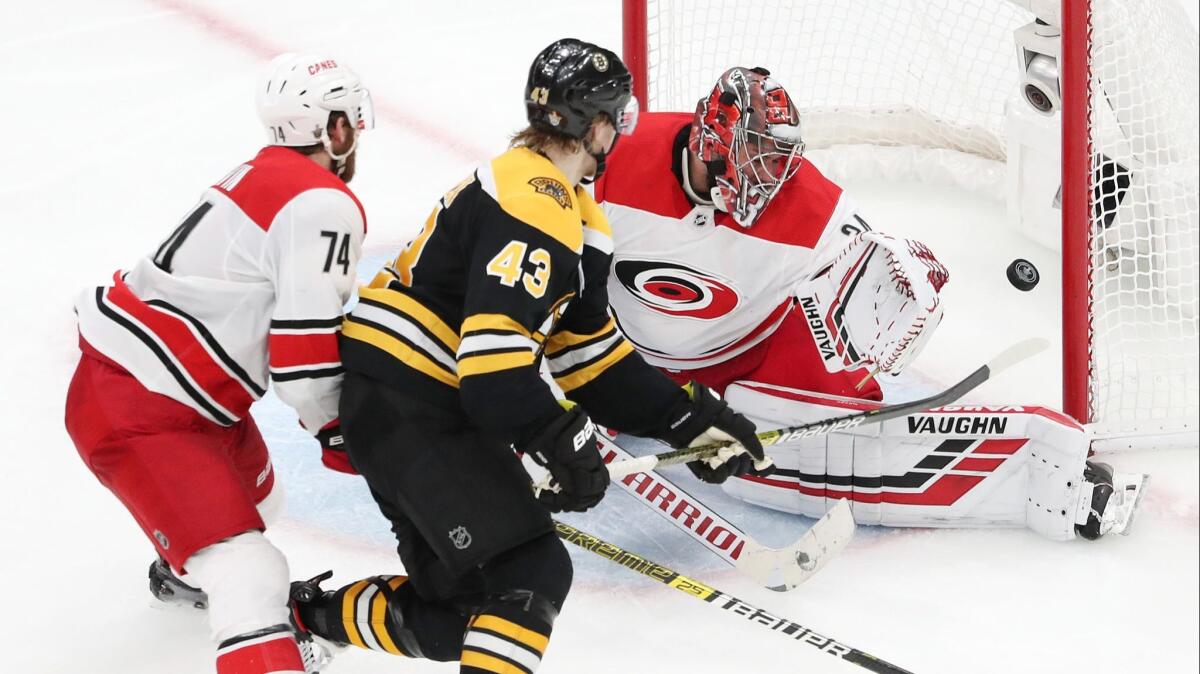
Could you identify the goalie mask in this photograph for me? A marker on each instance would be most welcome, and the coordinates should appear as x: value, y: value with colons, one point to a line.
x: 747, y: 132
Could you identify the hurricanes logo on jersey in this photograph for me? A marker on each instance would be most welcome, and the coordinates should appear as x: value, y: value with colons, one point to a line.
x: 553, y: 189
x: 676, y: 290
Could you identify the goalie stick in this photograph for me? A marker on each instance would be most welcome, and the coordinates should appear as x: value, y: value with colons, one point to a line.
x: 1005, y: 359
x: 728, y: 602
x: 776, y: 569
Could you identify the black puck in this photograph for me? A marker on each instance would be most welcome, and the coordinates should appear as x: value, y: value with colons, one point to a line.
x: 1023, y: 275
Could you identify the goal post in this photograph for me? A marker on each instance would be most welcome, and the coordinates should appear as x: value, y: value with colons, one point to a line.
x: 1081, y: 114
x: 1076, y: 221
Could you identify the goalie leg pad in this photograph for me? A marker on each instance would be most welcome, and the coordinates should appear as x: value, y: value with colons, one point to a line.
x: 813, y: 473
x: 1058, y: 450
x: 958, y: 466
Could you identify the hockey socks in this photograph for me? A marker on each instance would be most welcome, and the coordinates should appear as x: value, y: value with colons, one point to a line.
x: 272, y: 650
x: 504, y: 632
x: 509, y: 634
x: 382, y: 613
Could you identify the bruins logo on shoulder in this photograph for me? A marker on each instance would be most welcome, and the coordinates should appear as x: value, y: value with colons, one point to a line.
x: 553, y: 189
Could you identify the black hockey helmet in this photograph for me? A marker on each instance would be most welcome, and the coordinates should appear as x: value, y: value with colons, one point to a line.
x: 572, y: 81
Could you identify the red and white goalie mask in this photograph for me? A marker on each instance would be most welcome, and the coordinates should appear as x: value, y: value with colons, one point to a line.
x: 747, y: 132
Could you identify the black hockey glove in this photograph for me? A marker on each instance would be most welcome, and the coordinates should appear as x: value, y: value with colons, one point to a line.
x: 333, y: 449
x: 704, y: 419
x: 568, y: 448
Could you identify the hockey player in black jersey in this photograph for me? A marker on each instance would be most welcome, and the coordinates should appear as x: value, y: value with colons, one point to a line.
x: 442, y: 358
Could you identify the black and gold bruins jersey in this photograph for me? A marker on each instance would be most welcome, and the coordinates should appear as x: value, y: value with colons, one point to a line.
x: 510, y: 267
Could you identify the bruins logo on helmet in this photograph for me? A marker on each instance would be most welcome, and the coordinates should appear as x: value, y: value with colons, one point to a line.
x: 553, y: 189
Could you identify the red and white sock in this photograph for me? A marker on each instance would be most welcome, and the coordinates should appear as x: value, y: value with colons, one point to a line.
x: 268, y: 651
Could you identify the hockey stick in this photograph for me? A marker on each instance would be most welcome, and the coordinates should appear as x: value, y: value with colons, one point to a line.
x: 776, y: 569
x: 727, y: 602
x: 1006, y: 359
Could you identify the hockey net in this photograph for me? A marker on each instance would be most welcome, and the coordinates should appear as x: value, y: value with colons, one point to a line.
x: 872, y: 77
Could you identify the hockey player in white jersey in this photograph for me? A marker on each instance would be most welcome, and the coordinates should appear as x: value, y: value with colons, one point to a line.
x: 740, y: 266
x: 248, y: 289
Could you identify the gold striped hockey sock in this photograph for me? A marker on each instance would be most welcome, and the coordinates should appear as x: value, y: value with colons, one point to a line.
x: 368, y: 613
x: 371, y: 616
x: 499, y: 645
x: 384, y: 613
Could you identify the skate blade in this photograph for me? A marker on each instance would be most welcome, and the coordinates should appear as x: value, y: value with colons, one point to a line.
x: 1130, y: 512
x: 167, y: 594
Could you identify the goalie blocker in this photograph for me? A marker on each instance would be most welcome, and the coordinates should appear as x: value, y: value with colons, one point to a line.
x: 955, y: 466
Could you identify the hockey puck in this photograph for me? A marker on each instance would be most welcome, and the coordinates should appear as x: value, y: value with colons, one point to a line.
x: 1023, y: 275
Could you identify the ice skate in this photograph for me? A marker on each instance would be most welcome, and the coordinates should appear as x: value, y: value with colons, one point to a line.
x: 169, y: 589
x: 1112, y: 503
x: 317, y: 652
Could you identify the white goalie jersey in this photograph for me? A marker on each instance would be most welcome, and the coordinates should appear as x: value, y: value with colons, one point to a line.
x: 689, y: 286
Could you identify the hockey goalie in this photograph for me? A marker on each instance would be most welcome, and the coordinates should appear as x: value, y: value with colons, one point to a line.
x: 739, y: 265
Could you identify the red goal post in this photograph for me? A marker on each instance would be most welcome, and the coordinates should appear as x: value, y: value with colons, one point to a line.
x: 950, y: 75
x: 1076, y: 220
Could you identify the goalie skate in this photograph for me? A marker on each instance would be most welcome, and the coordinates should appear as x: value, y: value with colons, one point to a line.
x: 1109, y: 501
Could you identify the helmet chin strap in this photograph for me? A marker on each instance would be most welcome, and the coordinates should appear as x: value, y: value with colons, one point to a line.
x: 600, y: 160
x: 718, y: 201
x: 714, y: 197
x: 715, y: 168
x: 339, y: 160
x: 686, y: 184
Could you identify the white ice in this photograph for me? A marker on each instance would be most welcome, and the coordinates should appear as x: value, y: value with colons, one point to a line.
x: 117, y: 113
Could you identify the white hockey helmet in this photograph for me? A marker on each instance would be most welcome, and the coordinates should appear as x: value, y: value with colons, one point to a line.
x: 299, y: 91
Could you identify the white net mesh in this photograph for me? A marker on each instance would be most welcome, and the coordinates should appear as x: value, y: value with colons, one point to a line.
x: 1146, y: 239
x: 937, y: 74
x: 895, y: 72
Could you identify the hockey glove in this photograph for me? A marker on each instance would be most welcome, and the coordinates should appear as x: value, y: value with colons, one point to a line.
x: 333, y: 449
x: 705, y: 419
x: 876, y: 304
x: 569, y: 449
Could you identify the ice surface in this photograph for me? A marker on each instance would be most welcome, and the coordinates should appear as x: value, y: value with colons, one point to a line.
x: 117, y: 113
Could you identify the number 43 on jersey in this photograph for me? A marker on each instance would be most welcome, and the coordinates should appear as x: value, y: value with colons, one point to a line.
x: 509, y: 267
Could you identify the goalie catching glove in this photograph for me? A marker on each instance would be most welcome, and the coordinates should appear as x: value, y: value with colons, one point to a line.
x: 876, y: 304
x: 704, y: 419
x: 569, y: 449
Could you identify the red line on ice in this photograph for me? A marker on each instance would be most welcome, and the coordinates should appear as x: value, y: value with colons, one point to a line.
x: 232, y: 33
